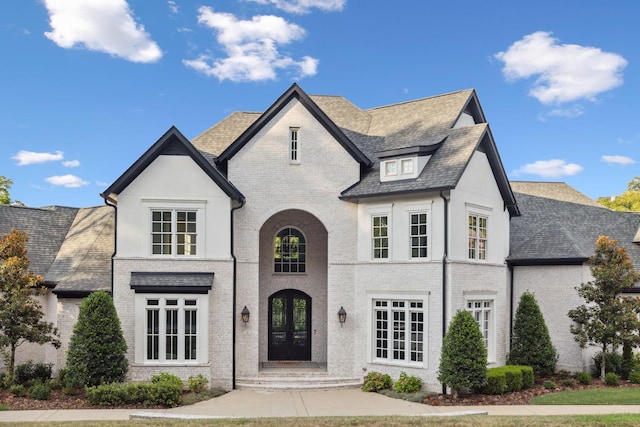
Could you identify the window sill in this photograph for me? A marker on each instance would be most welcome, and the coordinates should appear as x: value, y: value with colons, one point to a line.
x: 172, y: 364
x: 420, y: 365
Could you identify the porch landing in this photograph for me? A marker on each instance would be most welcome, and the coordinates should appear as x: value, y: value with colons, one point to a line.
x: 294, y: 375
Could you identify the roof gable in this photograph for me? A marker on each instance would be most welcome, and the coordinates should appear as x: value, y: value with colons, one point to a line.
x: 295, y: 92
x: 171, y: 143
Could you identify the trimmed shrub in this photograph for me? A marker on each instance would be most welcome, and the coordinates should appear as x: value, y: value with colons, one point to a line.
x: 531, y: 344
x: 159, y: 393
x: 97, y: 348
x: 137, y: 393
x: 496, y: 383
x: 613, y: 363
x: 40, y: 392
x: 463, y: 360
x: 549, y: 385
x: 165, y: 377
x: 375, y: 381
x: 407, y: 384
x: 18, y: 390
x: 30, y: 373
x: 612, y: 379
x: 106, y: 394
x: 198, y: 384
x: 634, y: 377
x: 528, y: 378
x: 584, y: 377
x: 165, y: 393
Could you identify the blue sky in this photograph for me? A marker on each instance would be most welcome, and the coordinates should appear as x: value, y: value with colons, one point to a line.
x: 88, y: 85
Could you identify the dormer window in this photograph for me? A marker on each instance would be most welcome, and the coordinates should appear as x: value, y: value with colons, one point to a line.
x: 398, y: 169
x: 391, y: 168
x: 406, y: 167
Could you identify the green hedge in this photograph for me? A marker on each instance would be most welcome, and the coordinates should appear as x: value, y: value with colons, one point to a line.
x: 114, y: 394
x: 508, y: 378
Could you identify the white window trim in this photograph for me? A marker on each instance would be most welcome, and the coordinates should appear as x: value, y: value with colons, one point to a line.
x: 389, y: 235
x: 491, y: 339
x: 480, y: 212
x: 202, y: 307
x: 290, y: 147
x: 174, y: 205
x: 371, y: 338
x: 409, y: 236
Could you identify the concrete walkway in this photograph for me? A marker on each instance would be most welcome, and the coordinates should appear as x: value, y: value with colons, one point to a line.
x: 342, y: 402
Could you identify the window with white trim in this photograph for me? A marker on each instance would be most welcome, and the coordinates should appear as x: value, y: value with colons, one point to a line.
x: 380, y: 236
x: 171, y: 329
x: 477, y: 237
x: 173, y: 232
x: 399, y: 330
x: 294, y: 147
x: 483, y: 313
x: 418, y: 234
x: 289, y: 251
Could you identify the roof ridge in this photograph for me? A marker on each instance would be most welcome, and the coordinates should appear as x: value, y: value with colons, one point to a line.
x: 395, y: 104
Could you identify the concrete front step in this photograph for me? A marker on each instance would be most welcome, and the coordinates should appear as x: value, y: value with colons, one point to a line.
x: 290, y: 381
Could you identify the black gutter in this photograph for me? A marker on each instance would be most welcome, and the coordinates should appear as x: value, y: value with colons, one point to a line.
x: 511, y: 286
x: 107, y: 199
x: 445, y: 256
x: 233, y: 338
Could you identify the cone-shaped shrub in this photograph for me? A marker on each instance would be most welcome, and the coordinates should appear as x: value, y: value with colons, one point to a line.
x: 97, y: 348
x: 463, y: 361
x: 531, y: 344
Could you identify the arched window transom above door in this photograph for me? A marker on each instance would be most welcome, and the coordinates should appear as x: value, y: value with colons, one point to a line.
x: 289, y: 251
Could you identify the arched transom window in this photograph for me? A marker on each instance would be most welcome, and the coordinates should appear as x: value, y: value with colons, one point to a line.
x: 289, y: 251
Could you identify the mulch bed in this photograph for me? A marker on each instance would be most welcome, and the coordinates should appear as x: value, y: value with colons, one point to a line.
x: 58, y: 400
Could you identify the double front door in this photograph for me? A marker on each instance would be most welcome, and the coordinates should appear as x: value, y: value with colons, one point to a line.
x: 289, y: 325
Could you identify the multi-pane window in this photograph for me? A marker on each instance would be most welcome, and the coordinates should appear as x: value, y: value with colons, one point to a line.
x: 477, y: 237
x: 380, y: 236
x: 171, y: 329
x: 289, y: 251
x: 418, y: 235
x: 399, y: 330
x: 173, y: 232
x: 294, y: 149
x: 481, y: 310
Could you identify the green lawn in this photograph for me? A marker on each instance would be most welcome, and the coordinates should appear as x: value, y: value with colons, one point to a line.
x: 594, y: 396
x: 469, y: 421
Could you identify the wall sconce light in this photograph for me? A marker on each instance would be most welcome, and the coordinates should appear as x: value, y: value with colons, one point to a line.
x: 342, y: 316
x: 245, y: 314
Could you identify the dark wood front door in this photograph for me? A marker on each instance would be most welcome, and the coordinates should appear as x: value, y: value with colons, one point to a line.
x: 289, y: 325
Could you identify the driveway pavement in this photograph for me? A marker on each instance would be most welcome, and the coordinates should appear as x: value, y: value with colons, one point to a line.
x: 316, y: 403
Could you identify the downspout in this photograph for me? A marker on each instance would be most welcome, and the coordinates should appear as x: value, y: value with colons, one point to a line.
x: 233, y: 338
x: 110, y: 202
x: 511, y: 287
x: 445, y: 256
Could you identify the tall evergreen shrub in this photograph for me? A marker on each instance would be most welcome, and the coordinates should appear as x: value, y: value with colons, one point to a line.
x: 97, y: 348
x: 463, y: 360
x: 531, y: 344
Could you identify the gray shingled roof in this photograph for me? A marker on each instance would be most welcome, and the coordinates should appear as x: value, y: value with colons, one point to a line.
x: 559, y: 225
x: 83, y: 263
x: 46, y: 227
x: 422, y: 122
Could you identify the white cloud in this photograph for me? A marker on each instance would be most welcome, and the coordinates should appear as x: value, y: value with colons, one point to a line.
x: 102, y: 184
x: 564, y: 72
x: 251, y: 47
x: 305, y: 6
x: 68, y: 181
x: 102, y: 25
x: 71, y: 164
x: 31, y: 157
x: 173, y: 7
x: 549, y: 168
x: 619, y: 160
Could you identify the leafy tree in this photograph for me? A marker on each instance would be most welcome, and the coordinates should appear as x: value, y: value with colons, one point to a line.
x: 607, y: 319
x: 5, y: 185
x: 97, y: 348
x: 531, y: 344
x: 20, y: 312
x: 627, y: 201
x: 463, y: 360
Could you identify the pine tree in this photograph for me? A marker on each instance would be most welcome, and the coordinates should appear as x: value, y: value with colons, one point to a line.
x: 463, y: 360
x: 97, y: 349
x: 531, y: 344
x: 607, y: 319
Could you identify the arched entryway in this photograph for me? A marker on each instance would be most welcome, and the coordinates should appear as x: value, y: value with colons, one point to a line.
x: 293, y: 288
x: 290, y: 325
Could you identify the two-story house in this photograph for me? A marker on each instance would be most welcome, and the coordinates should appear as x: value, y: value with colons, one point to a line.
x: 395, y: 217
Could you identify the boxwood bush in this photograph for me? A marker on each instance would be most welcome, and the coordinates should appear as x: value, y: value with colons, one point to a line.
x: 154, y: 393
x: 508, y: 378
x: 407, y: 383
x: 375, y: 381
